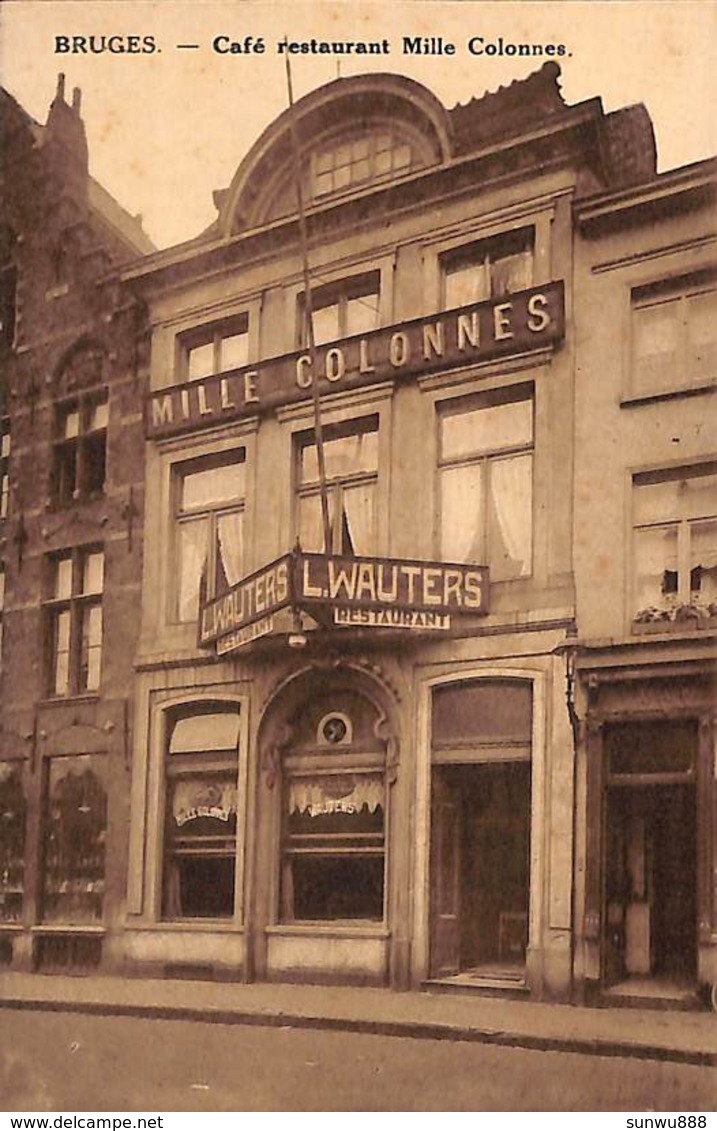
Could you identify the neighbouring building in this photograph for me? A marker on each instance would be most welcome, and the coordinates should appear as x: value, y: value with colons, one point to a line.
x: 70, y: 544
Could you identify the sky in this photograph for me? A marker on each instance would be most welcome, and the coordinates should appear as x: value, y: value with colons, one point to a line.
x: 165, y: 129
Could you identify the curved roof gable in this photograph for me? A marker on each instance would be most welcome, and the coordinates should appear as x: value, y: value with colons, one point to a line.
x: 383, y: 106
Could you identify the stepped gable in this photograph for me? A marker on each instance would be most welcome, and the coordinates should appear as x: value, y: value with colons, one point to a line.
x: 508, y: 110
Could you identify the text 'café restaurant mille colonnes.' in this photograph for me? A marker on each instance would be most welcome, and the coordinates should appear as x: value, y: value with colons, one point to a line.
x: 423, y: 696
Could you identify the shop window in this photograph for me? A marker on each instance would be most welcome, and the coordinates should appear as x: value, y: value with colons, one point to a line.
x: 216, y: 349
x: 351, y: 458
x: 485, y: 481
x: 334, y: 813
x: 675, y: 544
x: 342, y: 309
x: 209, y: 513
x: 359, y: 161
x: 80, y: 449
x: 4, y: 466
x: 12, y: 841
x: 73, y: 614
x: 488, y: 269
x: 75, y: 830
x: 674, y: 334
x: 201, y: 768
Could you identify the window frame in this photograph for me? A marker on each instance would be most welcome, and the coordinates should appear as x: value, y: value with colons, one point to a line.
x: 480, y: 254
x: 76, y: 449
x: 74, y: 604
x: 215, y: 762
x: 339, y: 294
x: 9, y: 885
x: 213, y: 334
x: 506, y: 394
x: 680, y: 291
x: 398, y: 140
x: 682, y: 523
x: 339, y: 484
x: 91, y: 761
x: 180, y: 469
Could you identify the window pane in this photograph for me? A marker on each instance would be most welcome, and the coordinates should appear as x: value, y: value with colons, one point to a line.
x: 61, y: 658
x: 234, y: 351
x: 70, y: 425
x: 93, y: 573
x: 324, y: 887
x: 91, y: 649
x: 74, y: 864
x: 326, y: 324
x: 656, y: 502
x: 200, y: 733
x: 200, y: 361
x: 462, y: 518
x: 511, y: 273
x: 5, y: 444
x: 465, y: 285
x: 99, y: 415
x: 361, y: 314
x: 700, y: 496
x: 63, y: 577
x: 357, y: 519
x: 655, y: 566
x: 402, y: 157
x: 215, y: 485
x: 510, y: 502
x: 656, y: 340
x: 489, y: 710
x: 229, y: 554
x: 703, y: 561
x: 200, y: 846
x: 311, y: 535
x: 193, y: 545
x: 12, y: 841
x: 343, y: 456
x: 486, y: 429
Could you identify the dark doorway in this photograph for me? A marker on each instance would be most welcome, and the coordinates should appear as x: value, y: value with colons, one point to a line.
x: 480, y: 868
x: 650, y: 883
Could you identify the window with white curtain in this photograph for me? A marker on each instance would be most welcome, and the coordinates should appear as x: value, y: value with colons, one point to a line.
x: 675, y: 540
x: 218, y: 348
x: 210, y: 499
x: 351, y: 456
x: 674, y: 334
x: 339, y: 310
x: 489, y: 268
x: 485, y: 475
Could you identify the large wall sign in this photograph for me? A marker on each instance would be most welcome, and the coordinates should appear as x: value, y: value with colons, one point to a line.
x: 376, y: 592
x: 509, y: 325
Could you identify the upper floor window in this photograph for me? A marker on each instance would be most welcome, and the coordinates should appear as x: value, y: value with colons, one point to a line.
x: 73, y: 610
x: 4, y: 466
x: 216, y: 349
x: 201, y: 768
x: 374, y: 156
x: 210, y: 495
x: 80, y: 450
x: 675, y: 542
x: 485, y: 481
x: 351, y: 458
x: 341, y: 309
x: 674, y: 334
x: 488, y: 269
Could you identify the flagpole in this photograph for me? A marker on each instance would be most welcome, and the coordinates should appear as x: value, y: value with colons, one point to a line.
x: 309, y: 316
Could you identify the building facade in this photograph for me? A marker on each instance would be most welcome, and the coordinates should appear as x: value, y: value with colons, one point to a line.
x: 70, y: 545
x: 430, y: 702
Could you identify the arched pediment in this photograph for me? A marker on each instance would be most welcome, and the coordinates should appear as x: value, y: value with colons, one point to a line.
x: 353, y: 134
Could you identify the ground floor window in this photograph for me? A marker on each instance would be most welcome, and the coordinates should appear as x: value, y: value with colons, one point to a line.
x: 333, y: 857
x: 200, y: 841
x: 12, y: 841
x: 75, y: 830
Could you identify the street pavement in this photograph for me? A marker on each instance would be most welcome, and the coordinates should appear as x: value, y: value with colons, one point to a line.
x: 645, y: 1034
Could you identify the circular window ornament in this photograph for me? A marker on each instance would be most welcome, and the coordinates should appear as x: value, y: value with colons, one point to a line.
x: 334, y: 729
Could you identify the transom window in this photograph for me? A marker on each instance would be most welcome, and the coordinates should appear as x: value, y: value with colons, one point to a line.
x: 200, y: 840
x: 342, y: 309
x: 485, y: 481
x: 372, y: 157
x: 351, y: 457
x: 80, y: 447
x: 216, y: 349
x: 675, y: 523
x: 73, y: 611
x: 674, y: 334
x: 488, y: 269
x: 210, y: 500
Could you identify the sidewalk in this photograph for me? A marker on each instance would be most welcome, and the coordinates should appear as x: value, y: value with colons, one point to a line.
x: 688, y: 1038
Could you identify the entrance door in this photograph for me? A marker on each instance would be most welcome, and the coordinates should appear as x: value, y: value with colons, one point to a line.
x: 650, y: 883
x: 480, y: 868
